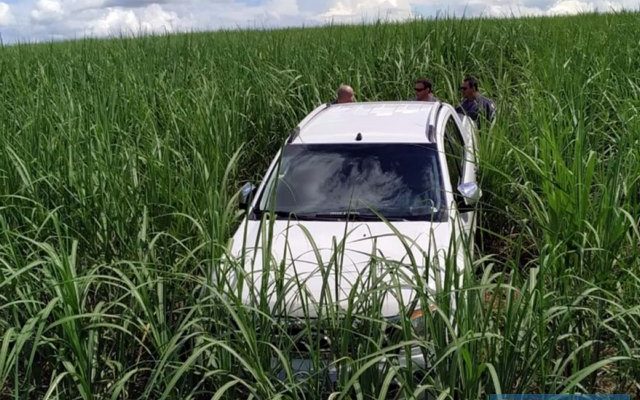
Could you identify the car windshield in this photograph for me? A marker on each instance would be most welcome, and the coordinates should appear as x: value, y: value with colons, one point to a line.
x: 399, y: 181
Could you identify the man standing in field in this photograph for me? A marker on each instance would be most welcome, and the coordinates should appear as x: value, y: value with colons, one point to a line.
x: 424, y: 90
x: 344, y: 95
x: 473, y: 103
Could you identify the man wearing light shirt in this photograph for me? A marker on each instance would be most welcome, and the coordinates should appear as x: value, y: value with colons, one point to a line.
x: 344, y: 94
x: 424, y: 90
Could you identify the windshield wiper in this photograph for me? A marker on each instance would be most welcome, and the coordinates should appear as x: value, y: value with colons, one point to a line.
x: 284, y: 214
x: 355, y: 215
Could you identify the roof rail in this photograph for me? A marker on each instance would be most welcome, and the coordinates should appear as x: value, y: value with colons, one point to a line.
x: 293, y: 135
x: 295, y: 132
x: 431, y: 121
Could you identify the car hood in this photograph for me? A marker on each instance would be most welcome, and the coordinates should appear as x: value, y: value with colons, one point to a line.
x: 312, y: 263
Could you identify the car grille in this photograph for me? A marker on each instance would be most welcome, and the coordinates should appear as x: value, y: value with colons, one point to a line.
x: 300, y: 337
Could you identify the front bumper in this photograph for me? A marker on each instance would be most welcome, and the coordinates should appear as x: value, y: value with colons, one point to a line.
x: 302, y: 368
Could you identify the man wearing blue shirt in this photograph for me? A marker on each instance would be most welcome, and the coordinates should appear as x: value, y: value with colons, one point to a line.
x: 473, y: 103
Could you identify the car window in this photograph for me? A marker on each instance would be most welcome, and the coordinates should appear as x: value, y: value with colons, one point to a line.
x: 397, y: 180
x: 454, y: 151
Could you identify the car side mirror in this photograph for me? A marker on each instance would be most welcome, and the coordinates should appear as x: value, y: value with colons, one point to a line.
x: 470, y: 192
x: 247, y: 191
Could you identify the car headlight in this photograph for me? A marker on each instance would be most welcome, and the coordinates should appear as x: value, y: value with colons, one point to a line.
x: 418, y: 322
x: 417, y: 319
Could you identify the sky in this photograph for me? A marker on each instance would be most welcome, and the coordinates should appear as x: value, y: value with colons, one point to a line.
x: 45, y: 20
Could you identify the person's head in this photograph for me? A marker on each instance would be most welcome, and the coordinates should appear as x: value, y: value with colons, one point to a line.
x: 345, y: 94
x: 469, y: 87
x: 423, y: 88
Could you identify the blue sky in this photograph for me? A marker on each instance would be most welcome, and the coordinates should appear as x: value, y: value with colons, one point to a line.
x: 37, y: 20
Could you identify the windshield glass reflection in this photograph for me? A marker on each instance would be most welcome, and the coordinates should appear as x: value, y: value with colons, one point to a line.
x: 395, y: 180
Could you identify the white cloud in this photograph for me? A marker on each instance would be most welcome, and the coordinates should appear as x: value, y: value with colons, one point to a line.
x: 149, y: 19
x: 47, y: 11
x: 513, y: 11
x: 79, y: 5
x: 6, y: 17
x: 503, y: 8
x: 564, y: 7
x: 357, y: 10
x: 155, y: 19
x: 281, y: 8
x: 63, y: 19
x: 115, y: 21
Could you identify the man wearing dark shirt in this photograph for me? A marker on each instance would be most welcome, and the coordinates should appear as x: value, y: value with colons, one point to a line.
x: 473, y: 103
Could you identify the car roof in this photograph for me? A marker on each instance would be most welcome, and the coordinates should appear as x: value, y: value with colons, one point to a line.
x: 381, y: 122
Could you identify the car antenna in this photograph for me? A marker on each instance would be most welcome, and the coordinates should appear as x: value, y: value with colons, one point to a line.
x: 358, y: 137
